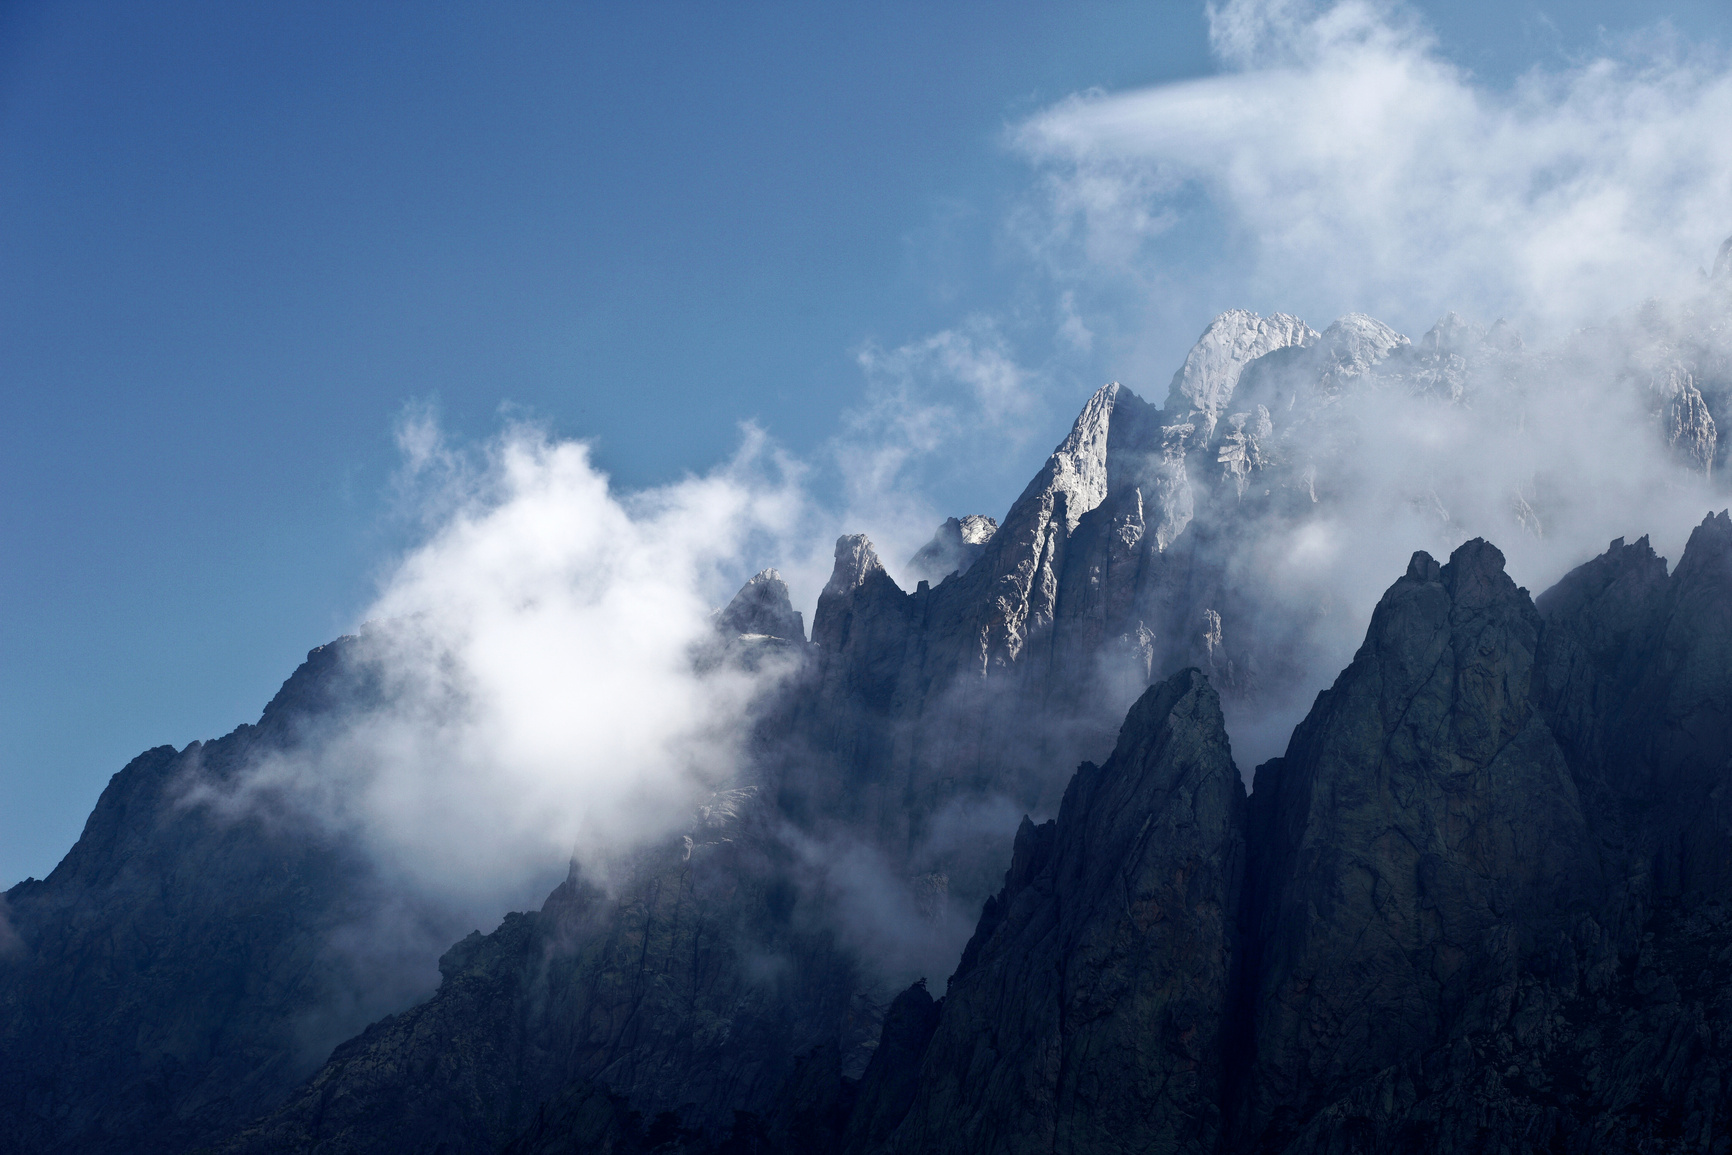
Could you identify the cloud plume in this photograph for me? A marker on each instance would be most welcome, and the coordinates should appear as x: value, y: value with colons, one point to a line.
x: 1352, y: 166
x: 530, y: 686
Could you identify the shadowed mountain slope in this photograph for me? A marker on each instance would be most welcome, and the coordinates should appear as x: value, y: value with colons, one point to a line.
x: 179, y: 971
x: 1455, y: 931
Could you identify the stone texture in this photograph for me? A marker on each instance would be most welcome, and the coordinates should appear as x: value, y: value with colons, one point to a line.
x: 953, y: 548
x: 1457, y: 930
x: 1420, y: 837
x: 1204, y: 385
x: 1088, y: 1012
x: 762, y: 607
x: 176, y: 974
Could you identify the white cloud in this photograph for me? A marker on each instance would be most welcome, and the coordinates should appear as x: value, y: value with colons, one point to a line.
x: 536, y: 695
x: 1361, y: 169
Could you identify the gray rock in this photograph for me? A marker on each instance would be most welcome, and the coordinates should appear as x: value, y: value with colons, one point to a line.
x: 1421, y: 836
x: 956, y: 545
x: 1089, y: 1010
x: 762, y: 607
x: 1203, y: 386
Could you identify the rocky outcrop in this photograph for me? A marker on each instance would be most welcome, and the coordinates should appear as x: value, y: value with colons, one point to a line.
x: 1421, y: 838
x: 892, y: 1078
x: 180, y: 971
x: 1484, y: 905
x: 1203, y: 387
x: 762, y: 608
x: 1637, y: 687
x: 1113, y: 565
x: 1089, y: 1009
x: 955, y: 547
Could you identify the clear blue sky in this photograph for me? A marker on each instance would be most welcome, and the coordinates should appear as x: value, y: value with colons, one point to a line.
x: 235, y: 240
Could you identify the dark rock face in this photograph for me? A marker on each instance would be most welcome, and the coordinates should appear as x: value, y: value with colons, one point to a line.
x: 1422, y: 836
x: 1090, y: 1006
x: 1483, y: 905
x: 892, y: 1078
x: 175, y: 975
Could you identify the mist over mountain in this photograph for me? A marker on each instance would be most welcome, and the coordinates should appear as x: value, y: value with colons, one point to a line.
x: 765, y: 835
x: 1186, y: 802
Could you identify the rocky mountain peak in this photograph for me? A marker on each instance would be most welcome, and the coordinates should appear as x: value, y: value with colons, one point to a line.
x: 1353, y: 346
x: 1475, y: 576
x: 1708, y: 553
x: 1204, y: 384
x: 1458, y: 863
x: 1079, y: 464
x: 763, y: 607
x: 1089, y: 1005
x: 856, y: 561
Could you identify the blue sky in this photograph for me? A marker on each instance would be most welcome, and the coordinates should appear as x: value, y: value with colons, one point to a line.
x: 237, y: 241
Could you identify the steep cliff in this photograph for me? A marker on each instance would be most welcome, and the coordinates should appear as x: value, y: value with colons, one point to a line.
x: 1089, y: 1010
x: 1454, y: 932
x: 1418, y: 846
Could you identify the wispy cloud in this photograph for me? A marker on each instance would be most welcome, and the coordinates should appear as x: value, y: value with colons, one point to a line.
x: 934, y: 410
x: 1353, y: 166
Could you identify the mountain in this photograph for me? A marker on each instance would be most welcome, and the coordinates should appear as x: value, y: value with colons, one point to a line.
x: 181, y: 969
x: 1466, y: 910
x: 1467, y: 843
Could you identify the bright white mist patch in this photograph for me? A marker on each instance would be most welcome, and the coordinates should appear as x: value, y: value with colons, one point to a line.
x: 1366, y: 171
x: 530, y: 686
